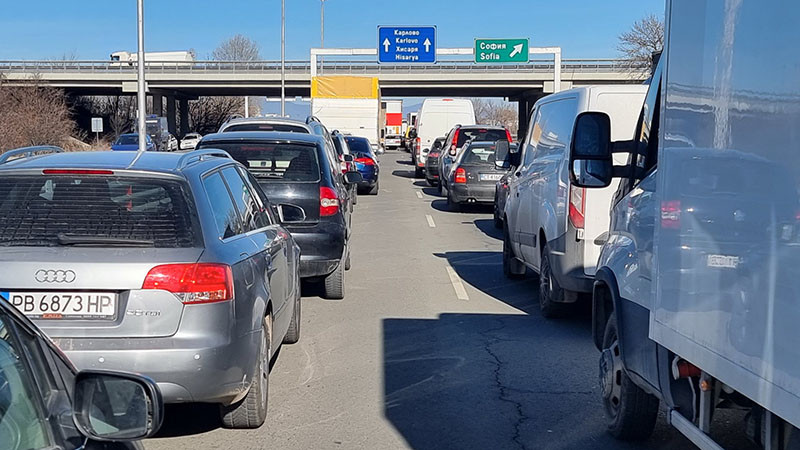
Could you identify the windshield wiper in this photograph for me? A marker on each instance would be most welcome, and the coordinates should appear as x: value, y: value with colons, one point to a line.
x: 74, y: 239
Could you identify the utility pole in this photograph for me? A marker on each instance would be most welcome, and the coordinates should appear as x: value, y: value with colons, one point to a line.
x: 283, y: 58
x: 321, y: 32
x: 246, y: 106
x: 141, y: 93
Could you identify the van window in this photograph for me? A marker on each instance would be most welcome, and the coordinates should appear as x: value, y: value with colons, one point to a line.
x: 225, y: 215
x: 647, y: 134
x: 553, y: 133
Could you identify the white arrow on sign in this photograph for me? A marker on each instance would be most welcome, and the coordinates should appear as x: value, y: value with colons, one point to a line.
x: 386, y: 45
x: 427, y: 45
x: 517, y: 50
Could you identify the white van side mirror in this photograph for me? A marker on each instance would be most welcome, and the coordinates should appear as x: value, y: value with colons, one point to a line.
x: 590, y: 160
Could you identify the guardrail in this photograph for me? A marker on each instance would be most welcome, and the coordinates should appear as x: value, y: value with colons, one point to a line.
x: 304, y: 67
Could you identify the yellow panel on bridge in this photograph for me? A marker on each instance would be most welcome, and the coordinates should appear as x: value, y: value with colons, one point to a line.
x: 344, y: 87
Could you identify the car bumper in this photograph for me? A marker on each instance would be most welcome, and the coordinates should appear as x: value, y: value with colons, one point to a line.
x: 566, y: 263
x: 321, y: 247
x: 198, y: 368
x: 465, y: 193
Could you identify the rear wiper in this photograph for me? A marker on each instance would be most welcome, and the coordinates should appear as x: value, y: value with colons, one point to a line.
x: 74, y: 239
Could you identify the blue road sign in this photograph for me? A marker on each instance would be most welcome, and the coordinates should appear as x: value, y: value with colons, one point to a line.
x: 407, y: 45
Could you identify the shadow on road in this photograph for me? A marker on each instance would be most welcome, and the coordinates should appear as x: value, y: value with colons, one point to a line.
x: 488, y: 228
x: 404, y: 161
x: 404, y: 174
x: 189, y: 419
x: 488, y: 381
x: 441, y: 205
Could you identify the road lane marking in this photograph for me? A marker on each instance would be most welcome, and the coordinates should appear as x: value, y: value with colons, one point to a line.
x: 431, y: 223
x: 458, y: 286
x: 419, y: 195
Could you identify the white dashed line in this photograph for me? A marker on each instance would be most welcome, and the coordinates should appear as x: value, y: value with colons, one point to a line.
x: 419, y: 195
x: 431, y: 223
x: 458, y: 286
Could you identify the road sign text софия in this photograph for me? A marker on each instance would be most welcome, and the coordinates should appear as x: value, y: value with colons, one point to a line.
x: 501, y: 50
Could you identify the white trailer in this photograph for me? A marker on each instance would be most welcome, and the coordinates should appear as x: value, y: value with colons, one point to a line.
x: 348, y: 104
x: 158, y: 58
x: 697, y: 299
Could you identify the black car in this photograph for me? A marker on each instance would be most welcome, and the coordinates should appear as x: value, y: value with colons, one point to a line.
x: 460, y: 135
x: 501, y: 190
x: 432, y: 162
x: 345, y: 157
x: 474, y: 174
x: 299, y: 169
x: 46, y: 403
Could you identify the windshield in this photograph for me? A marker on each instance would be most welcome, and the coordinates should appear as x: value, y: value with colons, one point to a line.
x: 275, y: 162
x: 45, y: 211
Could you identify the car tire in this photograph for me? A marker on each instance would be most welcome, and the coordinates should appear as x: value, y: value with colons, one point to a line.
x: 251, y: 411
x: 375, y: 189
x: 631, y: 412
x: 512, y: 267
x: 418, y: 172
x: 439, y: 187
x: 551, y: 294
x: 293, y: 334
x: 333, y: 285
x: 347, y: 262
x: 429, y: 182
x: 498, y: 221
x: 452, y: 205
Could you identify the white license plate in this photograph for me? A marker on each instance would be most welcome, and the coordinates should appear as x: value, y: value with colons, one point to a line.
x: 722, y: 261
x: 64, y: 305
x: 491, y: 176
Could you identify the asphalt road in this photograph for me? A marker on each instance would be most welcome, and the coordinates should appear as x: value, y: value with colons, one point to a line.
x: 432, y: 348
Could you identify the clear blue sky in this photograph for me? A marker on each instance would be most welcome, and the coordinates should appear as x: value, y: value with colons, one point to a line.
x: 92, y: 29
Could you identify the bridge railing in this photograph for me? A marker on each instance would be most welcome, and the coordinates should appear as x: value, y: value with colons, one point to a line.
x: 330, y: 67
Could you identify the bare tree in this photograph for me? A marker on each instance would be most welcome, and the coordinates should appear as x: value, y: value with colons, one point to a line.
x: 637, y: 45
x: 207, y: 114
x: 497, y: 113
x: 33, y: 114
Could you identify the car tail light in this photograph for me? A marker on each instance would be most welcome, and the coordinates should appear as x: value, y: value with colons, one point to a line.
x: 461, y: 175
x: 508, y: 136
x: 365, y: 161
x: 193, y: 283
x: 77, y: 172
x: 671, y: 214
x: 577, y: 206
x: 328, y: 201
x: 454, y: 145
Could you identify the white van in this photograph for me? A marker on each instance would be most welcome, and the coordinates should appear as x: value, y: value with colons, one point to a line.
x: 550, y: 225
x: 436, y: 117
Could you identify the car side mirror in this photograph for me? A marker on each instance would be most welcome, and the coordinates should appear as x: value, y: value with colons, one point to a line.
x: 348, y: 158
x: 116, y: 406
x: 590, y: 158
x: 353, y: 177
x: 412, y: 134
x: 501, y: 153
x: 437, y: 145
x: 290, y: 213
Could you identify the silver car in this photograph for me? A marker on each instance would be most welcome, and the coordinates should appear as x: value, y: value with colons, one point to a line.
x: 166, y: 264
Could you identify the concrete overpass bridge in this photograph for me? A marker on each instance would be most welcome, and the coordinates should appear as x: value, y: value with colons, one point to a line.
x: 455, y: 74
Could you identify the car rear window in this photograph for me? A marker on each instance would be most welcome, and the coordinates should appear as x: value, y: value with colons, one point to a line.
x: 480, y: 134
x: 479, y: 155
x: 359, y: 145
x: 275, y: 162
x: 42, y: 211
x: 279, y: 127
x: 128, y: 140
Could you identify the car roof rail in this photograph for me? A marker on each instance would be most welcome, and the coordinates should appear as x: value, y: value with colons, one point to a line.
x: 27, y: 152
x: 310, y: 119
x: 201, y: 155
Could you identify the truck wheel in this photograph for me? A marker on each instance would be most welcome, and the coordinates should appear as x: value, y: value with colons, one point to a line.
x: 251, y: 411
x: 334, y: 284
x: 551, y: 295
x: 631, y: 412
x: 512, y: 268
x: 293, y: 334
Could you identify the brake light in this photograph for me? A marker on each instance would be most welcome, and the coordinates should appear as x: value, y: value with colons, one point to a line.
x: 193, y: 283
x: 461, y: 175
x: 577, y: 206
x: 508, y: 136
x: 328, y: 202
x: 454, y: 145
x: 671, y: 214
x: 365, y: 161
x: 77, y: 172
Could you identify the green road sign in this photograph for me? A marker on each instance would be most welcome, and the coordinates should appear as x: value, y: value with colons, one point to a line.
x: 501, y: 50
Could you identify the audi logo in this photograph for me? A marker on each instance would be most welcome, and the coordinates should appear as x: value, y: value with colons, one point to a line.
x: 54, y: 276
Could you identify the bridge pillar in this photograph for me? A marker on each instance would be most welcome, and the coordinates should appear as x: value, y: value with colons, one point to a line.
x: 184, y: 106
x: 158, y: 105
x: 523, y: 115
x: 172, y: 116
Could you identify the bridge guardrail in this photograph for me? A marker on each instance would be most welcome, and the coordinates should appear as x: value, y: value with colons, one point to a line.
x: 302, y: 67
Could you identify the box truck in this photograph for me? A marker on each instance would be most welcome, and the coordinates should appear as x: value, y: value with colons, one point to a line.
x: 696, y: 301
x: 348, y: 104
x: 157, y: 58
